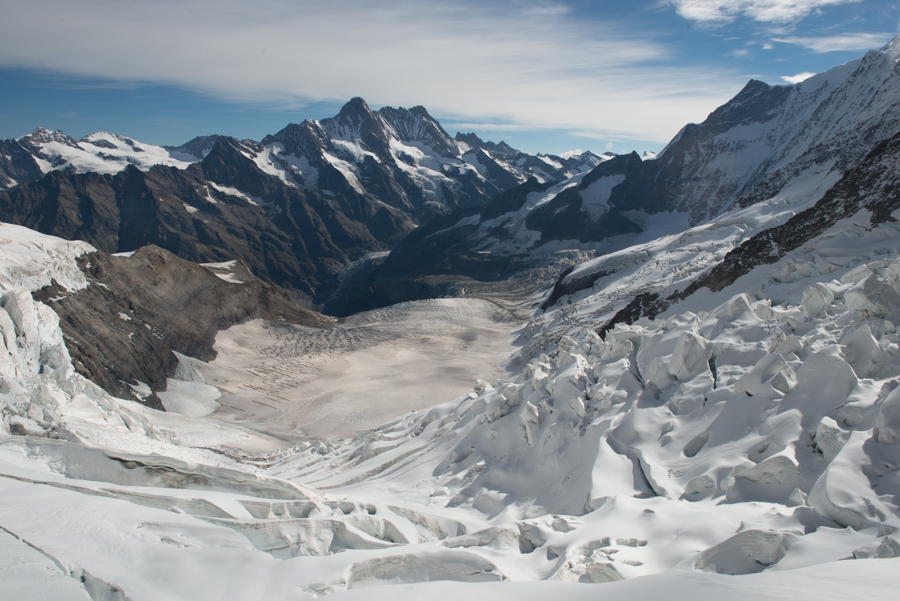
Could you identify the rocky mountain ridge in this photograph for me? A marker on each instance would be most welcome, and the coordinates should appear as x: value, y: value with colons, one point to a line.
x: 296, y: 208
x: 786, y: 142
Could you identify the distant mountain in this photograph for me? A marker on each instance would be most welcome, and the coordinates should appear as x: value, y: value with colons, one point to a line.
x: 404, y: 158
x: 43, y: 151
x: 296, y: 207
x: 790, y: 142
x: 196, y: 149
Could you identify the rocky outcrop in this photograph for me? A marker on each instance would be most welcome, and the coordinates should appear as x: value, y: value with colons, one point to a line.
x: 121, y: 330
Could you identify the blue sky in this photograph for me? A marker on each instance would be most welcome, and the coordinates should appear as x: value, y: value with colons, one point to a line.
x: 543, y: 75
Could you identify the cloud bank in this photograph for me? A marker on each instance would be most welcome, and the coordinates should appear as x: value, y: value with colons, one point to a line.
x: 527, y: 63
x: 798, y: 77
x: 857, y: 41
x: 766, y: 11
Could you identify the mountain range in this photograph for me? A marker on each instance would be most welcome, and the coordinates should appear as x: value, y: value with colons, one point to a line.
x: 296, y: 207
x: 791, y: 142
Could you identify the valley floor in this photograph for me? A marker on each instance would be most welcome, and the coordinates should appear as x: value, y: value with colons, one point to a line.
x: 299, y: 383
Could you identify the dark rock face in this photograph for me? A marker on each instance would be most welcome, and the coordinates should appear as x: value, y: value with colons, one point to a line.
x: 137, y: 310
x: 564, y: 287
x: 438, y: 259
x: 17, y: 164
x: 563, y: 218
x: 287, y: 236
x: 198, y: 148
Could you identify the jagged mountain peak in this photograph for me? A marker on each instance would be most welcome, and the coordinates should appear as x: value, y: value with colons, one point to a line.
x: 349, y: 124
x: 892, y: 48
x: 199, y: 147
x: 354, y: 109
x: 471, y: 141
x: 42, y: 135
x: 417, y: 125
x: 355, y: 106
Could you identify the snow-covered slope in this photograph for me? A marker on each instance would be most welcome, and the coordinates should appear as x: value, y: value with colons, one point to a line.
x: 405, y: 158
x: 100, y: 152
x: 714, y: 411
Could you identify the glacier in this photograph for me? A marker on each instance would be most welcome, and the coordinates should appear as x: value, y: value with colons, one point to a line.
x: 756, y: 435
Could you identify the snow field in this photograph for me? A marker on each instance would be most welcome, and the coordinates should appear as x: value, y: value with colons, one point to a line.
x: 101, y: 152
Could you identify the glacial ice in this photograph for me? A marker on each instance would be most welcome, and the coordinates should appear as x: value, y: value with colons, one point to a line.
x: 753, y: 437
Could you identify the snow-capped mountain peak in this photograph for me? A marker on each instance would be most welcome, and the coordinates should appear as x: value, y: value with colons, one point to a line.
x: 42, y: 135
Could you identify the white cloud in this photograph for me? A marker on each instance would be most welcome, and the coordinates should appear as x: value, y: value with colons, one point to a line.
x: 531, y: 63
x: 856, y: 41
x: 767, y: 11
x: 449, y: 124
x: 798, y: 77
x: 768, y: 47
x: 571, y: 153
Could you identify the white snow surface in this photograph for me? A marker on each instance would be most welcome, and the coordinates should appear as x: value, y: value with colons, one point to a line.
x: 32, y: 260
x: 741, y: 445
x: 100, y: 152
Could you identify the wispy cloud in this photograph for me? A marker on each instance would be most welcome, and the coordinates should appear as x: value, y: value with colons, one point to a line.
x: 766, y: 11
x: 798, y: 77
x: 487, y: 126
x: 526, y: 62
x: 855, y: 41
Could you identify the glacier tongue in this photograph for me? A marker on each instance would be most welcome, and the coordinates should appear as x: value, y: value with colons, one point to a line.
x: 756, y: 435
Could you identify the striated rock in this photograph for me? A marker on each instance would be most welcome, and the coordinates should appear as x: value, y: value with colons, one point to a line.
x: 125, y: 328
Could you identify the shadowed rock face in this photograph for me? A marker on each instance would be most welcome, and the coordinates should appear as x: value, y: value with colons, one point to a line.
x: 438, y: 259
x: 16, y: 164
x: 287, y: 236
x: 137, y: 310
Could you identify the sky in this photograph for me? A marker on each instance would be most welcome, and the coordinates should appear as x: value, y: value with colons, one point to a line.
x: 543, y: 75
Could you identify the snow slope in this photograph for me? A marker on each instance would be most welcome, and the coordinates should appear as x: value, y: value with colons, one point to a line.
x: 100, y: 152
